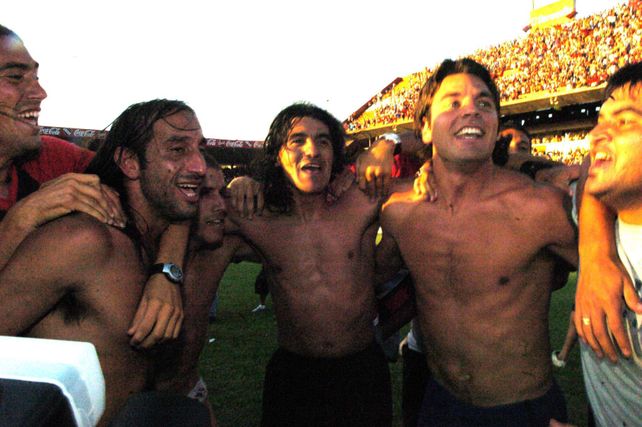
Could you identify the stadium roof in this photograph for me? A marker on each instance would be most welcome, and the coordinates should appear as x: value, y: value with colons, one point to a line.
x: 531, y: 104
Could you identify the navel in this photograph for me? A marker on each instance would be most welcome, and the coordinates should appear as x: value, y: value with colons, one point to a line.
x: 503, y: 281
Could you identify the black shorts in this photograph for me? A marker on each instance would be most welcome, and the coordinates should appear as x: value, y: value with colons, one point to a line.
x: 261, y: 283
x: 350, y: 391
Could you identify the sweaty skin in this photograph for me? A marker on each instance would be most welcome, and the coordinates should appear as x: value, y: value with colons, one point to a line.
x: 78, y: 279
x: 481, y: 256
x: 320, y: 257
x: 93, y: 291
x: 321, y: 261
x: 482, y: 287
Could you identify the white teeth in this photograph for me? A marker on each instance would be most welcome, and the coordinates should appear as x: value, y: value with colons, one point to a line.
x: 311, y: 166
x: 29, y: 115
x: 600, y: 155
x: 470, y: 131
x: 188, y: 186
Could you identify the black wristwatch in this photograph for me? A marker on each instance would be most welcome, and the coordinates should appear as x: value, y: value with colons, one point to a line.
x: 172, y: 271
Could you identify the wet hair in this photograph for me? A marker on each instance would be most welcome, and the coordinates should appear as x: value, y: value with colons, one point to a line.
x: 132, y: 130
x: 446, y: 68
x: 630, y: 74
x: 6, y: 32
x: 277, y: 188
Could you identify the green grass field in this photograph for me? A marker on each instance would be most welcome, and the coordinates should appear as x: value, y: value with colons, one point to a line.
x: 233, y: 364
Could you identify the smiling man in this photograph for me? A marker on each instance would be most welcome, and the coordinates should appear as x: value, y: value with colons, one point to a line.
x: 615, y: 179
x: 41, y: 179
x: 482, y: 258
x: 328, y: 370
x: 210, y: 252
x: 90, y: 293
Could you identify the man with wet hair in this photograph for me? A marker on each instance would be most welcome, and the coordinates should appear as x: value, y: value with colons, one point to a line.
x: 91, y: 293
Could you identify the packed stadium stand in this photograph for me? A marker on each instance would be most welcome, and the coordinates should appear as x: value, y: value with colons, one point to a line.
x: 550, y: 79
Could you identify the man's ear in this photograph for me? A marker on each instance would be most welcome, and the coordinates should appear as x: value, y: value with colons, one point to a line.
x: 128, y: 162
x: 426, y: 132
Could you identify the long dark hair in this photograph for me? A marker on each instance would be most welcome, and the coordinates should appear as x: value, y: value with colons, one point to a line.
x: 132, y: 130
x: 278, y: 191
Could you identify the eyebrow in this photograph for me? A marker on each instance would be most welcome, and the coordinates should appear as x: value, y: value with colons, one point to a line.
x: 177, y: 138
x: 482, y: 94
x: 621, y: 110
x: 18, y: 65
x: 298, y: 134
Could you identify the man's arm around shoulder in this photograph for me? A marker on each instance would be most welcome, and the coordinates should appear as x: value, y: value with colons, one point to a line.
x: 554, y: 210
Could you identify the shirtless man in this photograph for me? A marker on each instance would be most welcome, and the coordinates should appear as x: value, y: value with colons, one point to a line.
x: 41, y: 179
x: 152, y: 158
x: 327, y: 370
x: 210, y: 252
x: 482, y: 258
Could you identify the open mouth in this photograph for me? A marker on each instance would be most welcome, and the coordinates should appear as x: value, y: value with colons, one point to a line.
x: 311, y: 167
x: 470, y: 132
x: 190, y: 191
x: 215, y: 221
x: 601, y: 158
x: 600, y: 161
x: 28, y: 117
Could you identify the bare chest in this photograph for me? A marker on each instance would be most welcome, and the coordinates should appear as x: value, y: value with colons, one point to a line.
x: 487, y: 247
x: 329, y: 242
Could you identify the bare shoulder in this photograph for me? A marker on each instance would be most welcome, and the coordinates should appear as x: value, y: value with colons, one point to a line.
x: 402, y: 193
x: 76, y: 233
x: 402, y: 185
x: 355, y: 198
x: 526, y: 198
x: 525, y: 190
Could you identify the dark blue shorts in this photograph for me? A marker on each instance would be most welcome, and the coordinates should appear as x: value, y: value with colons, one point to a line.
x: 440, y: 408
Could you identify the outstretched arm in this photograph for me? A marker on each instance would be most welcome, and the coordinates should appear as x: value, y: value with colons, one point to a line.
x: 67, y: 193
x: 159, y: 316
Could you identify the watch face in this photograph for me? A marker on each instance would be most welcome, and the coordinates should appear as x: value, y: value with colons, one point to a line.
x: 175, y: 272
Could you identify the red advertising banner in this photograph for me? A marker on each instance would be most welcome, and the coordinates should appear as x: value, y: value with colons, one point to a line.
x: 83, y: 137
x: 234, y: 143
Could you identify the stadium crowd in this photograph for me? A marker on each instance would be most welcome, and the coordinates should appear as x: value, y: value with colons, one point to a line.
x: 576, y: 142
x: 579, y: 54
